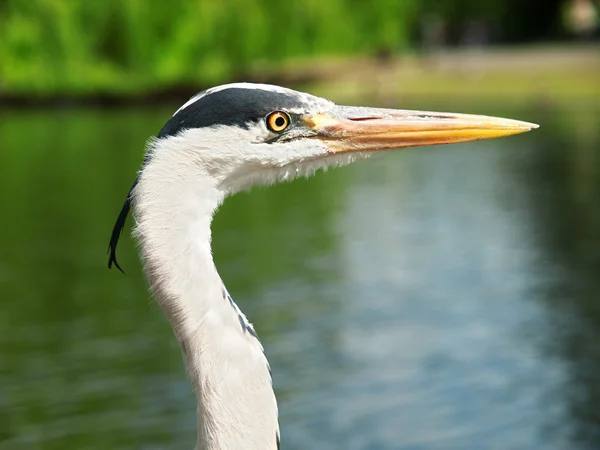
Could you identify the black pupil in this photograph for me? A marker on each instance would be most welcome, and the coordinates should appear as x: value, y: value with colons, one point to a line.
x: 280, y: 121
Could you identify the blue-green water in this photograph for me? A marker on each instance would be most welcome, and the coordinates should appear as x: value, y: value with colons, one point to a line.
x: 434, y: 298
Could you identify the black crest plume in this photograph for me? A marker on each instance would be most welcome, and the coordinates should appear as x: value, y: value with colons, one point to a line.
x: 118, y: 228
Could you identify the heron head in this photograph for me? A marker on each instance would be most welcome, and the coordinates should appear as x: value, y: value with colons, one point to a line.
x: 238, y: 135
x: 246, y: 134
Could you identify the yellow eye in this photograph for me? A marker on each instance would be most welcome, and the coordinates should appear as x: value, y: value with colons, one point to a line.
x: 278, y: 121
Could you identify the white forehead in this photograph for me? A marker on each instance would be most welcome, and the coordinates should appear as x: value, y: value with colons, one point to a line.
x: 302, y: 96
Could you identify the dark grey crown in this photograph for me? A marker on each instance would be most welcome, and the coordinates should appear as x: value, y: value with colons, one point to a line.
x: 235, y: 106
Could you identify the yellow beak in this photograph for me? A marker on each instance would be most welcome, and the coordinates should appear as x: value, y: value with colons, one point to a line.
x: 348, y: 129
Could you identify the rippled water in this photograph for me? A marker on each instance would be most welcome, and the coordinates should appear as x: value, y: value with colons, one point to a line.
x: 439, y: 298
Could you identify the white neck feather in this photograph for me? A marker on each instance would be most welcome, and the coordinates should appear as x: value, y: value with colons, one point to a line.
x: 174, y: 202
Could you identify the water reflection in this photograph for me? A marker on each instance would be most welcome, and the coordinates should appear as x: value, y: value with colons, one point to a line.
x: 445, y: 298
x: 562, y: 195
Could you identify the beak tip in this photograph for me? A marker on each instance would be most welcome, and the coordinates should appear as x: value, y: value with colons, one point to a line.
x: 530, y: 126
x: 524, y: 127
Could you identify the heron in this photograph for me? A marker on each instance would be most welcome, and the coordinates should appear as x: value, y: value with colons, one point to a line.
x: 222, y: 141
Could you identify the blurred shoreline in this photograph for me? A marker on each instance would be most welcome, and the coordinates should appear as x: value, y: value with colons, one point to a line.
x: 554, y: 73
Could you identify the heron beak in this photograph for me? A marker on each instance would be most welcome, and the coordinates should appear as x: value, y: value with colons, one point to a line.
x: 349, y: 129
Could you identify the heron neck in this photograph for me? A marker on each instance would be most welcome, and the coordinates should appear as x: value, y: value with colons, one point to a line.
x: 173, y: 205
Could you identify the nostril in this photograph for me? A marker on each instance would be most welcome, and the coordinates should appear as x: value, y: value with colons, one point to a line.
x: 362, y: 119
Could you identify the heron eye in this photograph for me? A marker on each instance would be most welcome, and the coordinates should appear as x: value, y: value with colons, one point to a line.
x: 278, y: 121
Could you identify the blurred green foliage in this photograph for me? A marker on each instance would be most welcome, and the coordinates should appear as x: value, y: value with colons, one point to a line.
x: 78, y: 47
x: 53, y: 46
